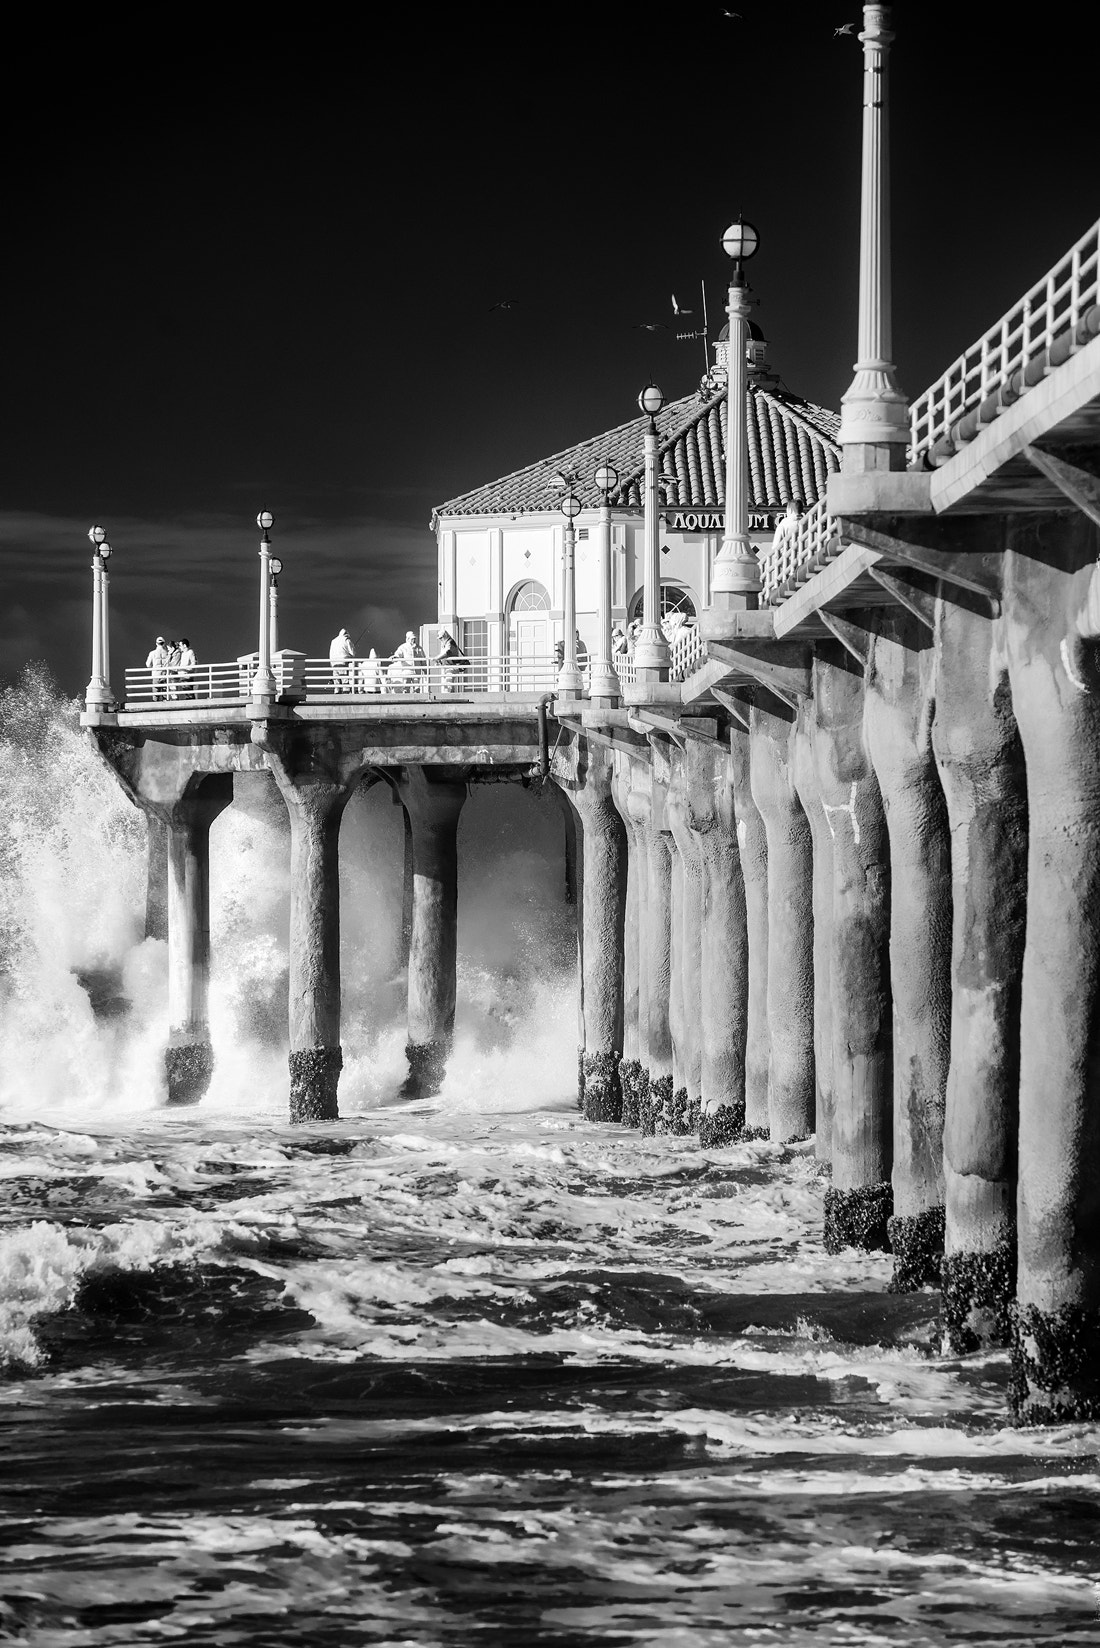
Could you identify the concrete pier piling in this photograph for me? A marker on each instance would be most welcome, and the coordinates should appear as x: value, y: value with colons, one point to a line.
x: 688, y: 911
x: 752, y: 845
x: 1052, y: 630
x: 156, y: 879
x: 980, y: 760
x: 655, y: 1098
x: 602, y: 839
x: 790, y: 995
x: 898, y: 715
x: 805, y: 781
x: 859, y: 1201
x: 189, y: 1056
x: 433, y: 805
x: 316, y: 1056
x: 724, y: 948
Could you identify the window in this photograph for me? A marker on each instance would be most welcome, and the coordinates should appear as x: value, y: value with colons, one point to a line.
x: 531, y: 597
x: 475, y: 638
x: 673, y: 599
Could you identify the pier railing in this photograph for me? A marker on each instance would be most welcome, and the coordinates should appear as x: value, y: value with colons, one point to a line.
x: 1052, y: 320
x: 311, y: 680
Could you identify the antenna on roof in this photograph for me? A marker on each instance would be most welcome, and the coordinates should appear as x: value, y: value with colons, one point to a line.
x: 706, y: 330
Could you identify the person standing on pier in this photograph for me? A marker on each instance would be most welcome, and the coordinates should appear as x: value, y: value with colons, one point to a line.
x: 185, y: 668
x: 157, y: 665
x: 340, y: 652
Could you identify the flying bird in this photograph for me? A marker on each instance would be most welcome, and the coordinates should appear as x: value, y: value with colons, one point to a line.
x: 735, y: 16
x: 650, y: 326
x: 505, y: 303
x: 678, y: 308
x: 845, y: 28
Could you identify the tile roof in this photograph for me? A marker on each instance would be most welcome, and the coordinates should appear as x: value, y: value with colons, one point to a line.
x: 792, y: 449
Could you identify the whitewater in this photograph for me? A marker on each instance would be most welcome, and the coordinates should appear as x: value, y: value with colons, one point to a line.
x: 469, y: 1370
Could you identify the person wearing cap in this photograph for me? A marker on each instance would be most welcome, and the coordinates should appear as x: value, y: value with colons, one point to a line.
x: 408, y: 662
x: 341, y: 651
x: 157, y: 664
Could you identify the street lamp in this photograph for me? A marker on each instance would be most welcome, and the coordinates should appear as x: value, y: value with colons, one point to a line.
x: 603, y: 681
x: 263, y: 682
x: 735, y: 581
x: 98, y: 695
x: 651, y: 648
x: 569, y: 679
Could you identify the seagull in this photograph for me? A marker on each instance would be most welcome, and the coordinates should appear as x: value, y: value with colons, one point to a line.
x: 650, y: 326
x: 735, y: 16
x: 845, y: 28
x: 505, y: 303
x: 678, y: 309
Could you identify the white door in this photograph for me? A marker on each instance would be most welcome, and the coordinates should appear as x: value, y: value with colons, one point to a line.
x: 530, y: 649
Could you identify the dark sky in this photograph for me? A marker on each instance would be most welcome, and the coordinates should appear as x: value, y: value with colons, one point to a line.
x: 250, y: 263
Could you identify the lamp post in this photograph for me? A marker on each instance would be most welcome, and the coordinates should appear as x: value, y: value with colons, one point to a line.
x: 263, y: 682
x: 735, y: 581
x: 569, y: 676
x: 651, y: 648
x: 98, y: 695
x: 874, y: 423
x: 603, y: 681
x: 275, y: 567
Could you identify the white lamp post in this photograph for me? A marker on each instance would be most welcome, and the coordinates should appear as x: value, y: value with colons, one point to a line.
x: 275, y: 566
x: 603, y: 681
x: 874, y: 423
x: 263, y: 682
x: 735, y: 581
x: 569, y: 676
x: 651, y: 648
x: 98, y: 695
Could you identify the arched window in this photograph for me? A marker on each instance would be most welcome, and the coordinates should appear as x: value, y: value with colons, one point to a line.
x: 531, y: 597
x: 673, y: 599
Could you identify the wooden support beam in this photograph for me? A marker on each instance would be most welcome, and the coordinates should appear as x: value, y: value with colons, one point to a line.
x: 853, y: 637
x: 732, y: 706
x: 1080, y: 486
x: 948, y: 567
x: 920, y: 602
x: 781, y: 666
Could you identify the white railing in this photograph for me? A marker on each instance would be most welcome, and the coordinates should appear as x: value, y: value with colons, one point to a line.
x: 393, y: 677
x: 313, y: 679
x: 810, y: 540
x: 1055, y: 312
x: 687, y: 651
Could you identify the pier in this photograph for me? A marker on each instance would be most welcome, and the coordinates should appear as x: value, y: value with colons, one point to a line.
x: 838, y: 846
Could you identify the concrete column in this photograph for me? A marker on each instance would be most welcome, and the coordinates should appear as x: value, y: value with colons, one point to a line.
x: 668, y: 1119
x: 315, y: 806
x: 790, y: 924
x: 981, y: 767
x: 657, y: 938
x: 898, y: 711
x: 804, y: 778
x: 859, y: 1201
x: 406, y: 885
x: 874, y: 425
x: 603, y: 915
x: 724, y: 946
x: 433, y: 806
x: 1052, y: 605
x: 189, y: 1057
x: 635, y: 978
x: 752, y: 843
x: 686, y: 958
x: 156, y: 877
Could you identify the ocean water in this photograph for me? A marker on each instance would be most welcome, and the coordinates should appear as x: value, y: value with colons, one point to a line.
x: 471, y: 1370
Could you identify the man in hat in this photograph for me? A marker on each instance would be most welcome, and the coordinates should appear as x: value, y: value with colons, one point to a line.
x: 157, y: 664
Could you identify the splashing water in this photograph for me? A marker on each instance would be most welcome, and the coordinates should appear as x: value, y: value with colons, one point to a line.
x: 467, y: 1370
